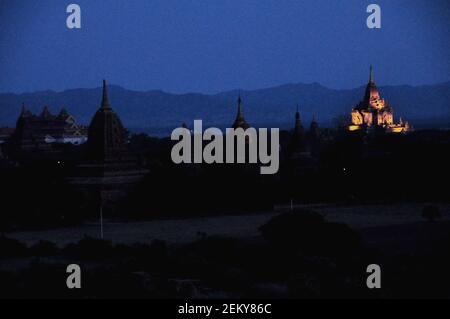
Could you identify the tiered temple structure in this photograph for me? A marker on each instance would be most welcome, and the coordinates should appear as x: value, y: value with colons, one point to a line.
x: 109, y: 170
x: 298, y: 146
x: 34, y: 130
x: 314, y: 138
x: 302, y: 147
x: 107, y: 137
x: 374, y: 113
x: 38, y: 134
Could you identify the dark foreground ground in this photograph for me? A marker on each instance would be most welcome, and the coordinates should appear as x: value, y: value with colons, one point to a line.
x: 244, y: 226
x: 231, y: 257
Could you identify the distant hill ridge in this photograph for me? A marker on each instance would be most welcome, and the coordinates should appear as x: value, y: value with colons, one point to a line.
x: 270, y: 106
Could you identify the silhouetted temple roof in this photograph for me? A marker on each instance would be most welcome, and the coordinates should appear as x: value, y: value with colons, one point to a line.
x: 107, y: 136
x: 46, y: 113
x: 240, y: 120
x: 298, y: 142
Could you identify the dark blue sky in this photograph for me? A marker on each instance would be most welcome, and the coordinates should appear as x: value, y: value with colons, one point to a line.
x: 211, y: 46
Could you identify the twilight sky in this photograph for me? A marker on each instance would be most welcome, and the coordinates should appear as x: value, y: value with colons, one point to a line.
x: 211, y: 46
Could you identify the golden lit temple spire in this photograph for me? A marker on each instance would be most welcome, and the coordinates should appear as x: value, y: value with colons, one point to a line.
x: 373, y: 111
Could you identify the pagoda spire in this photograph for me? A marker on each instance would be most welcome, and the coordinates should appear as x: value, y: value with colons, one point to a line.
x: 371, y: 74
x: 45, y: 112
x: 314, y: 125
x: 240, y: 120
x: 24, y: 108
x: 298, y: 123
x: 105, y: 100
x: 240, y: 114
x: 298, y: 142
x: 25, y: 112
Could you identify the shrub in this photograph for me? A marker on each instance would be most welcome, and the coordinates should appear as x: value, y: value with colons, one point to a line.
x: 308, y: 232
x: 215, y: 248
x: 290, y: 227
x: 90, y: 249
x: 431, y: 212
x: 11, y: 248
x: 44, y: 248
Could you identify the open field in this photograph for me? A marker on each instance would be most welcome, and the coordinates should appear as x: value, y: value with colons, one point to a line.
x: 240, y: 226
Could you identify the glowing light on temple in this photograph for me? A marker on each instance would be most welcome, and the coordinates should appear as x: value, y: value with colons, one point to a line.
x: 374, y: 112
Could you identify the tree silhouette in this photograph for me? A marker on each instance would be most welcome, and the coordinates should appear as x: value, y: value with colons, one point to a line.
x: 431, y: 213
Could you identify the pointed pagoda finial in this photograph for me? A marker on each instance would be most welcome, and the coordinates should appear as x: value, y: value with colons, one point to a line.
x: 239, y: 101
x: 371, y: 74
x: 63, y: 113
x: 23, y: 112
x: 298, y: 121
x: 240, y: 120
x: 105, y: 100
x: 45, y: 112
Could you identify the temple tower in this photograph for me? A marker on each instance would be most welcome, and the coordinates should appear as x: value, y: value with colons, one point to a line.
x: 300, y: 161
x: 106, y: 136
x: 374, y: 113
x: 109, y: 171
x: 298, y: 143
x: 240, y: 120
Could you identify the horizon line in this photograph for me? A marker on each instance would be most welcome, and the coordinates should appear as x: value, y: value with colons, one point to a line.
x: 220, y: 92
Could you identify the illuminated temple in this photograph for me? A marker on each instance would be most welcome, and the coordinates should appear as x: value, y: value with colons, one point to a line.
x: 374, y: 113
